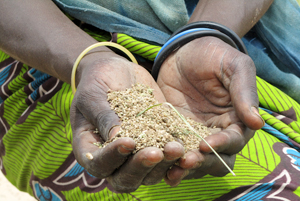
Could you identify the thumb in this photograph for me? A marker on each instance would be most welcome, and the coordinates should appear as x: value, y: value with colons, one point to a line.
x: 108, y: 124
x: 243, y: 91
x: 96, y: 109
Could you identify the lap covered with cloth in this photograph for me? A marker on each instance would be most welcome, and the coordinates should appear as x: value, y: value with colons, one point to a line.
x: 36, y: 144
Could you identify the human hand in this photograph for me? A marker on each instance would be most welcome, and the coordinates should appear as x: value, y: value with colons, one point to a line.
x: 213, y: 83
x: 90, y: 110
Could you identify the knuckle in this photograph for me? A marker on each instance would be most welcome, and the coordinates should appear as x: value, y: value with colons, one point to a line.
x: 91, y: 167
x: 243, y: 62
x: 122, y: 187
x: 151, y: 181
x: 236, y: 66
x: 94, y: 170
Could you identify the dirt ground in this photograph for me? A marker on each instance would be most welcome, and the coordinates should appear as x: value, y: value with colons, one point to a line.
x: 10, y: 193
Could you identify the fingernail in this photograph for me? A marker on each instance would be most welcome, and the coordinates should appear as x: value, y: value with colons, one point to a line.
x: 113, y: 131
x: 148, y: 163
x: 255, y: 111
x: 89, y: 156
x: 177, y: 151
x: 124, y: 150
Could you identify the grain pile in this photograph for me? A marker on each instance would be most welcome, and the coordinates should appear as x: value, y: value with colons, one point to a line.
x: 155, y: 127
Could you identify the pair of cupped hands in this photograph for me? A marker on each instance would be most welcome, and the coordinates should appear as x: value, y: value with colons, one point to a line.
x: 206, y: 79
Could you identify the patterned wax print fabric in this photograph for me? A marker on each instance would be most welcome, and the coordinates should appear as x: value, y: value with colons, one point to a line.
x: 36, y: 153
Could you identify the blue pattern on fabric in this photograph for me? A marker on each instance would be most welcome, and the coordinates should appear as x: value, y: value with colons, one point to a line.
x: 39, y: 80
x: 45, y: 195
x: 295, y: 156
x: 258, y: 193
x: 36, y: 73
x: 34, y: 95
x: 3, y: 77
x: 76, y: 170
x: 4, y: 74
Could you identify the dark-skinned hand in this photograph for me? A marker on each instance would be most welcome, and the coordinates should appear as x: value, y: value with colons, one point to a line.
x: 215, y: 84
x: 97, y: 73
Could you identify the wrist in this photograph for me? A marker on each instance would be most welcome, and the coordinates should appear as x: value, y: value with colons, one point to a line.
x: 63, y: 60
x: 105, y: 57
x: 92, y: 59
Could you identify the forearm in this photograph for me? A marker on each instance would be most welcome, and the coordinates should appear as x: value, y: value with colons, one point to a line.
x: 238, y: 15
x: 39, y: 34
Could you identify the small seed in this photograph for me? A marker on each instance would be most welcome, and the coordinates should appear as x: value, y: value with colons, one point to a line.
x: 89, y: 156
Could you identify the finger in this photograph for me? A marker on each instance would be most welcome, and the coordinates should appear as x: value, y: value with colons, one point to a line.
x: 130, y: 176
x: 192, y: 159
x: 196, y: 167
x: 242, y: 86
x: 213, y: 166
x: 188, y: 164
x: 172, y: 152
x: 200, y: 164
x: 228, y: 141
x: 175, y: 175
x: 100, y: 162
